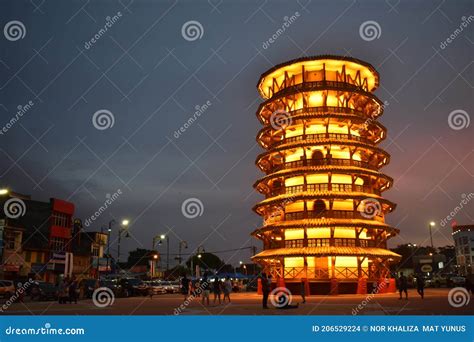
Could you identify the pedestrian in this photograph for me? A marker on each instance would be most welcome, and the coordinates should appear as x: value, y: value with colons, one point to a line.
x: 205, y: 290
x: 185, y: 286
x: 265, y: 290
x: 403, y: 285
x: 63, y: 290
x: 72, y: 287
x: 197, y: 288
x: 303, y: 291
x: 420, y: 286
x: 227, y: 288
x: 217, y: 289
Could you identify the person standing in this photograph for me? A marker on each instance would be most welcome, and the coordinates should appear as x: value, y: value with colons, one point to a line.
x: 227, y: 288
x: 403, y: 285
x: 205, y: 290
x: 265, y: 289
x: 303, y: 291
x: 420, y: 286
x: 216, y: 289
x: 72, y: 290
x: 185, y: 286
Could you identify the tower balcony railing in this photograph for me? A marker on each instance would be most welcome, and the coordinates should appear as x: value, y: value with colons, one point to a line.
x: 308, y: 85
x: 322, y: 162
x: 318, y: 273
x: 324, y: 187
x: 321, y: 110
x: 336, y: 214
x: 320, y: 136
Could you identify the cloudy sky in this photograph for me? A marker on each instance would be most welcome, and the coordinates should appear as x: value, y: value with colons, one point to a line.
x: 149, y: 76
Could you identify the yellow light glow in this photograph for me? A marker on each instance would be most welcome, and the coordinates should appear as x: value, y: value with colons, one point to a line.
x: 294, y: 262
x: 125, y: 222
x: 346, y: 233
x: 4, y: 191
x: 318, y: 233
x: 293, y: 234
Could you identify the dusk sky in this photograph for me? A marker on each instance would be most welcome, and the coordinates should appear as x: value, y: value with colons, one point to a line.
x: 151, y: 79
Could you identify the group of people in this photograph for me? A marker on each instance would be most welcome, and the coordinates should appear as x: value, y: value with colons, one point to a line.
x: 203, y: 289
x: 68, y: 290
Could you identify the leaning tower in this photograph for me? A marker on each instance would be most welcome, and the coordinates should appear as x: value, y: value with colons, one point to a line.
x: 323, y: 212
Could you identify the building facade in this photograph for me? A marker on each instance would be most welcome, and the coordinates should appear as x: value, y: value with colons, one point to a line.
x: 323, y: 212
x: 35, y: 237
x: 464, y: 245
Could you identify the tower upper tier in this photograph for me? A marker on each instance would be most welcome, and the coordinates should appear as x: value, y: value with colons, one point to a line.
x: 333, y: 70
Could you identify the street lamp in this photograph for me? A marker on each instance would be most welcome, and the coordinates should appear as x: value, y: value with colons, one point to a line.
x: 432, y: 224
x: 162, y: 237
x: 4, y: 191
x: 182, y: 244
x: 109, y: 231
x: 122, y: 229
x: 199, y: 250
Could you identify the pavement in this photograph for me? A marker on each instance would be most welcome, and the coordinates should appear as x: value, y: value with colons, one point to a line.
x: 435, y: 303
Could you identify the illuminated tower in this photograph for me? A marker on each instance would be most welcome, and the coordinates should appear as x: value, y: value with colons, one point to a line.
x: 323, y: 214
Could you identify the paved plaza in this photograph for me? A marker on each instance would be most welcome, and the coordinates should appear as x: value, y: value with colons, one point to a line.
x: 435, y: 303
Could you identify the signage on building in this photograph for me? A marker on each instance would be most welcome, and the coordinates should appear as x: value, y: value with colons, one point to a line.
x: 426, y: 268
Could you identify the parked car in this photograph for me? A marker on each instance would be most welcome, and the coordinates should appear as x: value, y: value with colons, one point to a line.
x: 7, y: 288
x: 448, y: 280
x: 113, y: 284
x: 156, y: 286
x: 41, y: 290
x: 172, y: 286
x: 88, y: 286
x: 133, y: 287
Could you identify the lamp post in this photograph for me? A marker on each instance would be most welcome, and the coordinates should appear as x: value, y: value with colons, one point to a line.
x: 109, y: 231
x: 122, y: 229
x: 432, y: 224
x: 182, y: 244
x: 162, y: 237
x: 199, y: 250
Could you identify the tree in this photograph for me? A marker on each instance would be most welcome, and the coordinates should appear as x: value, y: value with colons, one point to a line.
x: 206, y: 261
x: 407, y: 251
x: 139, y: 257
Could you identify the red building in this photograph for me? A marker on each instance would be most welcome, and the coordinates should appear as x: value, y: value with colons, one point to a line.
x: 35, y: 237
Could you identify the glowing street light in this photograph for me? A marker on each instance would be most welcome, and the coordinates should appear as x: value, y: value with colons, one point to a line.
x: 4, y: 191
x: 432, y: 224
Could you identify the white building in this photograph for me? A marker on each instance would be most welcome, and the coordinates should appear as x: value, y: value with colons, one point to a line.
x: 464, y: 242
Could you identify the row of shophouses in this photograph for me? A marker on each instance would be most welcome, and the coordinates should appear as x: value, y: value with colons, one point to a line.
x: 42, y: 240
